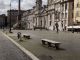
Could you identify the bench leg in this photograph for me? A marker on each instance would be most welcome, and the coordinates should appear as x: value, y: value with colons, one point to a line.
x: 28, y: 37
x: 24, y: 36
x: 49, y: 44
x: 57, y: 46
x: 43, y: 42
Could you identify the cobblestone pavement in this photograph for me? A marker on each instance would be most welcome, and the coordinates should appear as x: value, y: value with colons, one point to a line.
x: 70, y: 47
x: 8, y: 51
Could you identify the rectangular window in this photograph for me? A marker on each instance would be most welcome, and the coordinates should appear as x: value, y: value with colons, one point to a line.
x: 62, y: 7
x: 50, y: 23
x: 73, y: 5
x: 72, y: 15
x: 62, y: 15
x: 65, y: 15
x: 78, y: 5
x: 78, y: 13
x: 66, y: 6
x: 50, y: 19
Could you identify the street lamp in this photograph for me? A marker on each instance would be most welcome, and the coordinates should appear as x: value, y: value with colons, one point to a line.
x: 10, y: 19
x: 19, y: 14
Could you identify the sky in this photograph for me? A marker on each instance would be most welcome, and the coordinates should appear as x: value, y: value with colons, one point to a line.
x: 25, y: 4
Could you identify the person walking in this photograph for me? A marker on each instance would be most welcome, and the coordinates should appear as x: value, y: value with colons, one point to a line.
x: 19, y: 36
x: 56, y: 24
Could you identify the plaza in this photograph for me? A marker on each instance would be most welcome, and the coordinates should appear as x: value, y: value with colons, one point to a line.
x: 35, y: 33
x: 70, y: 47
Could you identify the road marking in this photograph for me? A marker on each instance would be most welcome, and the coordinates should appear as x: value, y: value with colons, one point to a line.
x: 32, y: 56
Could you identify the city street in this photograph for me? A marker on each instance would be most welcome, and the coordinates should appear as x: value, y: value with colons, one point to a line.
x: 70, y: 47
x: 39, y: 29
x: 8, y: 51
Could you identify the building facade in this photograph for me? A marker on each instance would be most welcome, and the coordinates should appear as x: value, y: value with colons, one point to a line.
x: 50, y: 12
x: 67, y: 13
x: 36, y: 17
x: 27, y: 19
x: 77, y: 12
x: 63, y: 12
x: 3, y: 21
x: 14, y: 16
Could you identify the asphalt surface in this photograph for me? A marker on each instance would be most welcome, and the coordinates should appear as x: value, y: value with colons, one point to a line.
x: 8, y: 51
x: 70, y: 47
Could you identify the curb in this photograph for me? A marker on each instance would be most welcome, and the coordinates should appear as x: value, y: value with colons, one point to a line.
x: 32, y: 56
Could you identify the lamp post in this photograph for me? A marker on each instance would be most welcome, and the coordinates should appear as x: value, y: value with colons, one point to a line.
x: 10, y: 19
x: 19, y: 14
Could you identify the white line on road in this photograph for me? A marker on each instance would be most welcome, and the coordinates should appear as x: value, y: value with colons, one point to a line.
x: 33, y: 57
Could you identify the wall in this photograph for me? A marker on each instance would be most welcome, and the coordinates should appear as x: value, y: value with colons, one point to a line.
x: 77, y: 11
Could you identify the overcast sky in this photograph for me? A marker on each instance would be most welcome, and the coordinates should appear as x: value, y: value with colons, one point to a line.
x: 25, y: 4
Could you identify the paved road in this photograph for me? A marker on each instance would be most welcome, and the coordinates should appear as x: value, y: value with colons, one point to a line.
x: 8, y: 51
x: 70, y: 44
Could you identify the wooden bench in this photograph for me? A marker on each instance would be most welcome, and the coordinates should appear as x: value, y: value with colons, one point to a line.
x: 50, y: 42
x: 26, y: 36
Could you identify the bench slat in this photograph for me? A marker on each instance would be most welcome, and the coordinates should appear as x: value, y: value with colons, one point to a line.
x: 51, y: 41
x: 25, y: 35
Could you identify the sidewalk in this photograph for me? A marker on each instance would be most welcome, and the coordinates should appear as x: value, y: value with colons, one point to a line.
x: 70, y: 44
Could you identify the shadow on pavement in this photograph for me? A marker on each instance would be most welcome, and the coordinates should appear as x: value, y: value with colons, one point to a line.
x: 53, y: 48
x: 45, y: 57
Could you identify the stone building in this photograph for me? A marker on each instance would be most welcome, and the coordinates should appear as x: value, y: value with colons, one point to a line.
x: 61, y: 12
x: 14, y: 16
x: 50, y: 16
x: 36, y: 17
x: 56, y: 11
x: 67, y: 13
x: 40, y: 14
x: 77, y: 12
x: 3, y: 21
x: 27, y: 19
